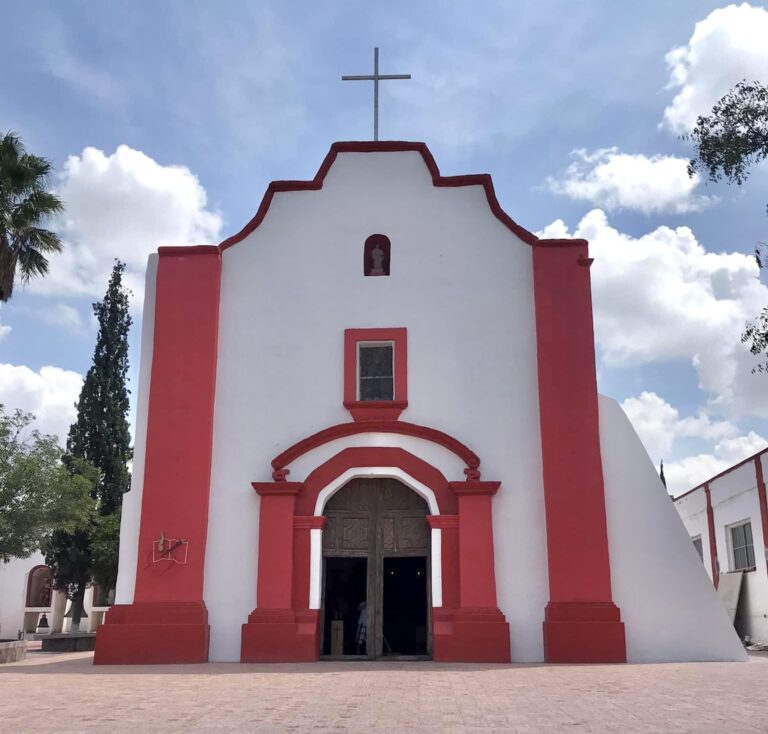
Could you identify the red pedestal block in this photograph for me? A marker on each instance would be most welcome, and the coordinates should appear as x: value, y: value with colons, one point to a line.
x: 470, y: 636
x: 280, y: 636
x: 583, y: 632
x: 149, y: 633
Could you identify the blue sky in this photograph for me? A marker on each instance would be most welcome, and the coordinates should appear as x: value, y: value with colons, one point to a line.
x: 166, y: 121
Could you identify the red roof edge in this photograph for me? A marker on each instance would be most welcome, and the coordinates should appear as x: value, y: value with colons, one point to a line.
x: 394, y: 146
x: 721, y: 474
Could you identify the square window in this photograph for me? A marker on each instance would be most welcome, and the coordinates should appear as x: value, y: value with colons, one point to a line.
x: 742, y: 547
x: 376, y: 373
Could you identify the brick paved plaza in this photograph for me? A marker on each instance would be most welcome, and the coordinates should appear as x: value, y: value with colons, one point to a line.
x: 65, y: 693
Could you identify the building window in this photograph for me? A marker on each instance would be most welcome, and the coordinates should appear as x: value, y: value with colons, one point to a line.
x: 376, y: 255
x: 375, y: 373
x: 743, y: 552
x: 697, y: 545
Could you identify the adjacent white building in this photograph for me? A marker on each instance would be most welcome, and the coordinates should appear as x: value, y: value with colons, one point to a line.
x: 26, y: 596
x: 727, y: 521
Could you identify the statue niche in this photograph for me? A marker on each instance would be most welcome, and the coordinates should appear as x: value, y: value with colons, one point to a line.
x: 376, y: 255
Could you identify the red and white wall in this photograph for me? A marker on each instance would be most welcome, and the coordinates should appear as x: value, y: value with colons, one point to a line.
x: 500, y: 357
x: 735, y: 496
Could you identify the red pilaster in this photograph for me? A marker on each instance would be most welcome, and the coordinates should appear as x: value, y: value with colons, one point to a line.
x: 761, y: 495
x: 168, y: 621
x: 276, y: 632
x: 477, y: 630
x: 712, y: 537
x: 581, y: 622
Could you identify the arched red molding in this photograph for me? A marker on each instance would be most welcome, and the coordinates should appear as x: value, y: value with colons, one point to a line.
x: 480, y: 179
x: 362, y: 456
x: 342, y: 430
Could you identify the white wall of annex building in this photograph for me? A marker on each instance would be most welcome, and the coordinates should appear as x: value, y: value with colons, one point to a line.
x: 734, y: 500
x: 460, y: 282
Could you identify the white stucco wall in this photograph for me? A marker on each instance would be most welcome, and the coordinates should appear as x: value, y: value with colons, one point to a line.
x: 460, y: 282
x: 669, y: 607
x: 14, y: 577
x: 734, y: 500
x: 693, y: 512
x: 130, y: 517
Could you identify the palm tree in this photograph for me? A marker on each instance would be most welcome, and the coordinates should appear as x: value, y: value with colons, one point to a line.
x: 24, y: 205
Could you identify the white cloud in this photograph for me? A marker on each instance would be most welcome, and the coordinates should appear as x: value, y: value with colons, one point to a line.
x: 660, y: 428
x: 662, y: 296
x: 659, y: 425
x: 50, y: 394
x: 123, y: 205
x: 61, y: 314
x: 4, y: 331
x: 615, y: 180
x: 691, y: 471
x: 729, y: 45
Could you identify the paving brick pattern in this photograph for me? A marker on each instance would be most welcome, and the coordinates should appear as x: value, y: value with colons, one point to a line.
x: 65, y: 693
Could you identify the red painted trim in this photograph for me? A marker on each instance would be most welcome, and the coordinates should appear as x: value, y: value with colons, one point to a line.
x: 574, y: 495
x: 763, y: 500
x: 367, y: 410
x: 342, y: 430
x: 186, y: 250
x: 180, y: 422
x: 316, y: 183
x: 362, y: 456
x: 271, y: 489
x: 475, y: 489
x: 151, y: 633
x: 722, y: 473
x: 712, y: 537
x: 443, y: 522
x: 312, y: 522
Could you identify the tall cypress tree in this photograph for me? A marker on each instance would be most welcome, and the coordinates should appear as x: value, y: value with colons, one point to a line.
x: 99, y: 439
x: 100, y: 435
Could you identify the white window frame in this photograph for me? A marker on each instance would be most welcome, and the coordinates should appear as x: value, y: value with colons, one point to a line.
x: 729, y: 541
x: 362, y: 344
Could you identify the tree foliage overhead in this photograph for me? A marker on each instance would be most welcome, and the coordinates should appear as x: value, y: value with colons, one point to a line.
x: 25, y: 204
x: 734, y: 136
x: 37, y: 493
x: 101, y: 435
x: 728, y: 142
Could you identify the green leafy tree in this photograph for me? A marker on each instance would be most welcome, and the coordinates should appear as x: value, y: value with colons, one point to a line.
x: 728, y: 143
x: 25, y: 204
x: 99, y: 438
x: 37, y: 493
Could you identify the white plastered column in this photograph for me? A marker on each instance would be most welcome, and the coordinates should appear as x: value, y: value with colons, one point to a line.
x: 369, y: 472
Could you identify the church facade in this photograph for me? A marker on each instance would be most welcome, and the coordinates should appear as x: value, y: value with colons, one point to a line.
x: 368, y: 426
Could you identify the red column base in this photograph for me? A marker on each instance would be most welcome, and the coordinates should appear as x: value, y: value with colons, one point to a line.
x: 583, y: 632
x: 280, y: 636
x: 148, y: 633
x: 470, y: 636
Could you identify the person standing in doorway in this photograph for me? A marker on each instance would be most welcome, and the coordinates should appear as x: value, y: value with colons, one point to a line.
x: 362, y: 628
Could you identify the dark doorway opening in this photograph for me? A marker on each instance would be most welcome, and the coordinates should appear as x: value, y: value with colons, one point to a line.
x: 404, y: 606
x: 346, y: 596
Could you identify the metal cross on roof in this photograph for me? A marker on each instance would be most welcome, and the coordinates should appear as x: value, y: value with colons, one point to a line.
x: 375, y: 77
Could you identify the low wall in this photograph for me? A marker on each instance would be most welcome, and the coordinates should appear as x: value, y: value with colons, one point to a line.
x: 11, y: 651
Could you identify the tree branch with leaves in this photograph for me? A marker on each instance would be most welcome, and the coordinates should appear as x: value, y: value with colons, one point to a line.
x: 728, y: 142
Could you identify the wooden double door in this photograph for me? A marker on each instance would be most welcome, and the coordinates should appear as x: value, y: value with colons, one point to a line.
x: 376, y: 572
